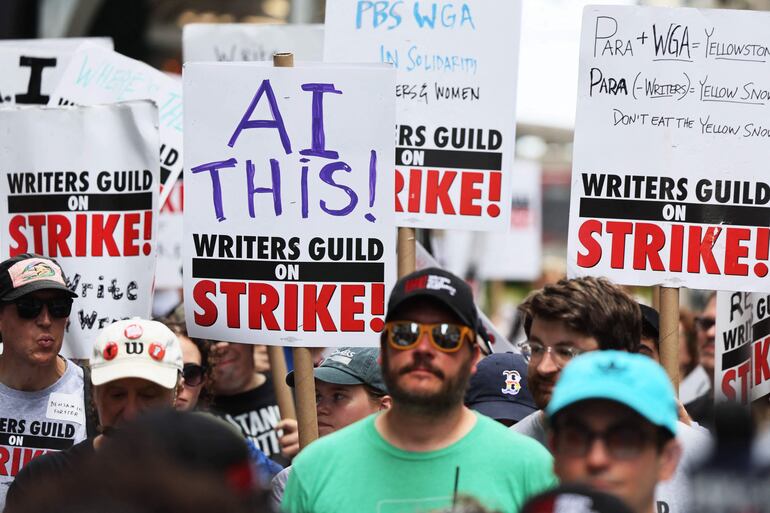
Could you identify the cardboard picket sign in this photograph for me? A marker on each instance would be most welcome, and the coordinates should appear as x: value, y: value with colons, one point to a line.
x: 292, y: 238
x: 228, y: 42
x: 96, y: 75
x: 64, y: 43
x: 669, y: 182
x: 168, y: 272
x: 30, y: 73
x: 733, y: 343
x: 760, y: 348
x: 456, y: 68
x: 80, y: 185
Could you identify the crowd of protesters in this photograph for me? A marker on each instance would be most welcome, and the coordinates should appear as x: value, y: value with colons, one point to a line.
x: 583, y: 419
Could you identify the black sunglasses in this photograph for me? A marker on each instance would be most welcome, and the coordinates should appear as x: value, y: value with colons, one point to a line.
x: 193, y: 374
x: 30, y: 307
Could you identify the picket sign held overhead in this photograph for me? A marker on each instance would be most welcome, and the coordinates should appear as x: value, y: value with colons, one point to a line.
x: 30, y: 73
x: 229, y: 42
x: 96, y: 76
x: 63, y: 43
x: 80, y: 185
x: 456, y: 69
x: 292, y: 239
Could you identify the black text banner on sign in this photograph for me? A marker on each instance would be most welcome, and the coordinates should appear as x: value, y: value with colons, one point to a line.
x: 456, y: 68
x: 292, y: 240
x: 669, y: 184
x: 80, y: 184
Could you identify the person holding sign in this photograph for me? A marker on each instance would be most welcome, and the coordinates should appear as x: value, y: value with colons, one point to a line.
x: 41, y: 393
x: 626, y: 403
x: 428, y: 447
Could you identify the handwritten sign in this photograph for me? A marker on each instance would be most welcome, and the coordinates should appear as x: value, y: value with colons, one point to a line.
x: 456, y: 89
x: 80, y: 185
x: 97, y: 76
x: 30, y: 74
x: 669, y: 176
x: 227, y: 42
x: 292, y: 238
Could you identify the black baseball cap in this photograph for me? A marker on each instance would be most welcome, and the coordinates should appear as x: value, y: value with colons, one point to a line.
x: 29, y: 272
x: 349, y: 366
x: 442, y: 286
x: 575, y: 498
x: 650, y: 320
x: 499, y: 388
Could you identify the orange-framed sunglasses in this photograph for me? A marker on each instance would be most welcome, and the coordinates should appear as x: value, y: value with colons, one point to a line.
x: 444, y: 336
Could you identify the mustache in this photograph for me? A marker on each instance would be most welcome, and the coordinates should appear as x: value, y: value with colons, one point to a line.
x: 421, y: 363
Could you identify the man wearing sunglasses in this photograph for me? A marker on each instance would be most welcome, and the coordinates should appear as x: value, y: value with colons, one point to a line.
x: 41, y: 393
x: 702, y: 407
x: 428, y: 447
x: 613, y: 421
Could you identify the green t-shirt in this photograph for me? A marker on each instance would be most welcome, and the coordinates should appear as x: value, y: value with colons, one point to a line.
x: 355, y: 471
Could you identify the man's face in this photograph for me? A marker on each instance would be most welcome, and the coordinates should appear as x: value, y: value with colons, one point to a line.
x: 340, y: 405
x: 34, y: 341
x: 647, y: 347
x: 232, y: 367
x: 124, y: 399
x: 424, y: 377
x: 706, y: 330
x: 609, y: 447
x: 543, y: 373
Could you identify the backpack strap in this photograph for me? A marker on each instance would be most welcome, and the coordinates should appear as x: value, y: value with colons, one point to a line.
x: 92, y: 420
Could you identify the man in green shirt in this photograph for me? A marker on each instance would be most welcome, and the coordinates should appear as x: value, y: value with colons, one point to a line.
x: 428, y: 448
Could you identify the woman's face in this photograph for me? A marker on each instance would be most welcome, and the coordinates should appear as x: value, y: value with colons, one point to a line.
x: 187, y: 397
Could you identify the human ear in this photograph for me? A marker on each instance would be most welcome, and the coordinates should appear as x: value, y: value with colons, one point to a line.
x: 669, y: 459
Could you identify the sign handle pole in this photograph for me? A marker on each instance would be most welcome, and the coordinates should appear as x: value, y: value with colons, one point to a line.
x: 304, y: 382
x: 278, y: 373
x: 656, y: 297
x: 407, y: 249
x: 669, y: 334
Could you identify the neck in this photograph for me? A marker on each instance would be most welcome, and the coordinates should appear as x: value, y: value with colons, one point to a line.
x: 255, y: 380
x: 30, y: 378
x: 414, y: 431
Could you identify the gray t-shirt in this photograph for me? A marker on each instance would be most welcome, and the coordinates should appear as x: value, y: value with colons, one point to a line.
x: 671, y: 496
x: 278, y: 484
x: 35, y: 423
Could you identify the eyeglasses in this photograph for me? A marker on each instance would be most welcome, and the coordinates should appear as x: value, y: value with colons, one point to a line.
x: 30, y: 307
x: 561, y: 354
x: 704, y: 323
x: 622, y: 442
x: 444, y: 336
x: 193, y: 374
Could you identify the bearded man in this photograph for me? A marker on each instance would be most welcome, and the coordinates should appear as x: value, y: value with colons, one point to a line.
x: 428, y: 448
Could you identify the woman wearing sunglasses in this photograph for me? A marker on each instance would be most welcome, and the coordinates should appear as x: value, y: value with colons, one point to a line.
x: 193, y: 390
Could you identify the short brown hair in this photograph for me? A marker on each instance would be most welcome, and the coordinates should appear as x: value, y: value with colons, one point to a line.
x: 594, y: 307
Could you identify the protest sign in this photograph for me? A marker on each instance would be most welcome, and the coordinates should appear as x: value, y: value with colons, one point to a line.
x: 168, y: 272
x: 669, y: 182
x: 30, y: 74
x: 742, y: 359
x: 80, y: 185
x: 456, y: 69
x: 732, y: 359
x: 96, y: 76
x: 226, y: 42
x: 64, y: 43
x: 292, y: 239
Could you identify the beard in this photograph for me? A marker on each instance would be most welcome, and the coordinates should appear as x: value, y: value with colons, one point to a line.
x: 448, y: 397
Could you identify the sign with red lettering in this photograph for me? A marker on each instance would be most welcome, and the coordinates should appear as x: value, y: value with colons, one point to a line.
x: 456, y: 68
x: 732, y: 359
x: 669, y: 181
x: 168, y: 272
x: 96, y: 75
x: 291, y: 240
x: 760, y: 348
x: 80, y: 185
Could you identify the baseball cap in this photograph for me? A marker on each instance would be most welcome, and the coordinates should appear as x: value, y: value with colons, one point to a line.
x: 29, y: 272
x: 443, y: 286
x: 136, y: 348
x: 633, y: 380
x: 349, y: 366
x: 499, y: 389
x: 574, y: 498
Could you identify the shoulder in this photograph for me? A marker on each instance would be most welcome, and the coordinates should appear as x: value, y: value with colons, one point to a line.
x: 508, y: 440
x: 332, y: 445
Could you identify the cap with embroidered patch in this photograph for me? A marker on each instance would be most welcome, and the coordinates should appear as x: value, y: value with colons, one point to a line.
x: 30, y: 272
x: 499, y: 388
x: 349, y: 366
x: 136, y: 348
x: 633, y: 380
x: 443, y: 286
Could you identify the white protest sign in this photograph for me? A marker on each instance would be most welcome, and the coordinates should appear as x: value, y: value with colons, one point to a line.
x: 30, y: 73
x: 96, y: 76
x: 225, y: 42
x: 732, y: 358
x: 168, y: 272
x: 80, y: 185
x: 669, y: 182
x: 760, y: 347
x: 292, y: 238
x: 456, y: 66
